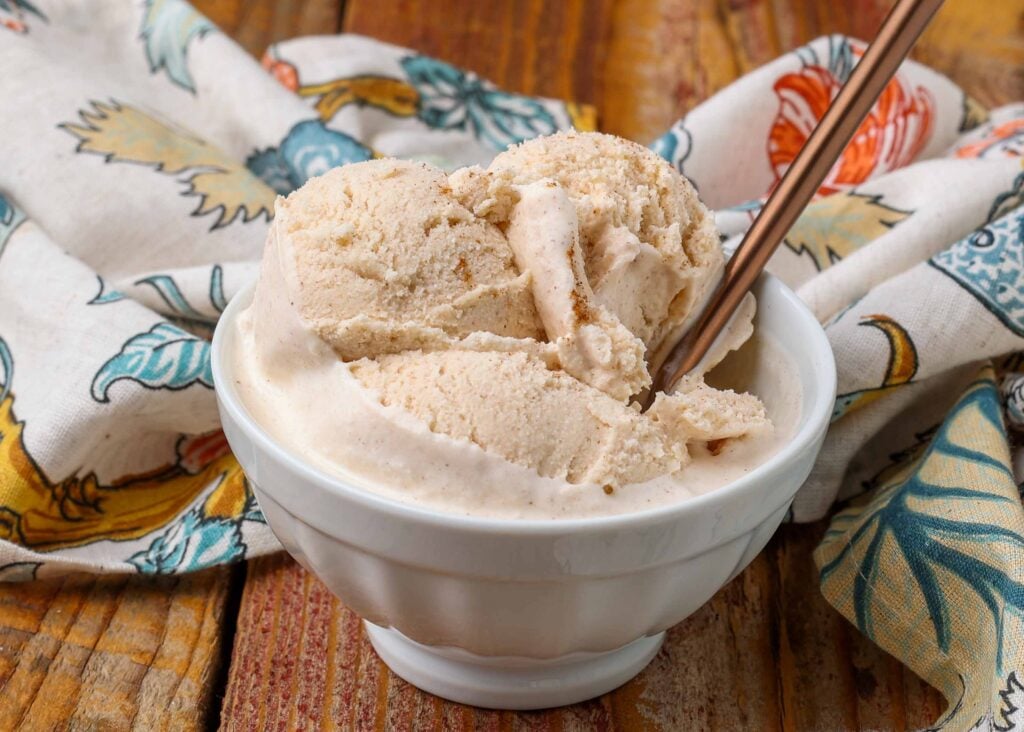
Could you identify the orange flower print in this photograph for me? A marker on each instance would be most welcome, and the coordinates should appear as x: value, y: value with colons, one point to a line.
x: 284, y: 72
x: 1006, y: 139
x: 893, y: 134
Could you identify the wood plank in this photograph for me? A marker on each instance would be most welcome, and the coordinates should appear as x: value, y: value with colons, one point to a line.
x: 644, y: 64
x: 112, y: 652
x: 767, y: 651
x: 532, y: 46
x: 981, y: 47
x: 255, y: 24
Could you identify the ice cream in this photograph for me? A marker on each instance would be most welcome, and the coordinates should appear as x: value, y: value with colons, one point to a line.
x: 651, y: 249
x: 474, y: 342
x: 385, y: 259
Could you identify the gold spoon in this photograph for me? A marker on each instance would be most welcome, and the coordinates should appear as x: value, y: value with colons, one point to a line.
x: 900, y: 29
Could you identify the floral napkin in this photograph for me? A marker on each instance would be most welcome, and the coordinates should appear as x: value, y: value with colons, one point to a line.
x: 140, y: 157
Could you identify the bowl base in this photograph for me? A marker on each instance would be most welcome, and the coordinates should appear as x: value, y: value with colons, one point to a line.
x: 510, y: 683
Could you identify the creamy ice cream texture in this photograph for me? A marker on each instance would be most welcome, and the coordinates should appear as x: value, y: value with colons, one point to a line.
x: 475, y: 340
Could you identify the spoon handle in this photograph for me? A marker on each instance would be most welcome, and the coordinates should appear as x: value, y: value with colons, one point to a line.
x: 801, y: 181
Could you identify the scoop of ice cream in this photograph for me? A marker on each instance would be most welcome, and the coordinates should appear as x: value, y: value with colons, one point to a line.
x: 593, y: 345
x: 528, y: 414
x: 508, y: 311
x: 381, y: 257
x: 649, y: 245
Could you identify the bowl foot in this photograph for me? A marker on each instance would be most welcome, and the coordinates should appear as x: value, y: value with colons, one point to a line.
x: 510, y: 683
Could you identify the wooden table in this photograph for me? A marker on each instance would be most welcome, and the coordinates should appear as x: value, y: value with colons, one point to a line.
x: 266, y: 646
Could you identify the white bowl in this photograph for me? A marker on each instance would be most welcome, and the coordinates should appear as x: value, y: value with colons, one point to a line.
x: 528, y: 614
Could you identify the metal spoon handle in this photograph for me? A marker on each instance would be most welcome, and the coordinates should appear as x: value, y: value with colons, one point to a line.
x: 828, y: 140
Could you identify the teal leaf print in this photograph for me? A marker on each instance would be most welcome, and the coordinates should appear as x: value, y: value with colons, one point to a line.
x: 930, y: 516
x: 674, y: 146
x: 841, y: 57
x: 191, y: 543
x: 164, y: 357
x: 217, y: 298
x: 10, y: 6
x: 6, y: 369
x: 168, y: 26
x: 452, y: 99
x: 752, y: 206
x: 988, y: 264
x: 10, y: 218
x: 198, y: 540
x: 309, y: 149
x: 171, y: 294
x: 178, y: 308
x: 105, y: 296
x: 253, y: 513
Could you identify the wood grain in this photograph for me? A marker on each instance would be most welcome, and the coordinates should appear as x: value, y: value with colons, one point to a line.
x: 766, y: 652
x: 644, y: 63
x: 555, y: 49
x: 112, y: 653
x: 255, y: 24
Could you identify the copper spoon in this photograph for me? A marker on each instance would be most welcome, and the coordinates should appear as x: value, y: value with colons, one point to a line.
x: 900, y: 29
